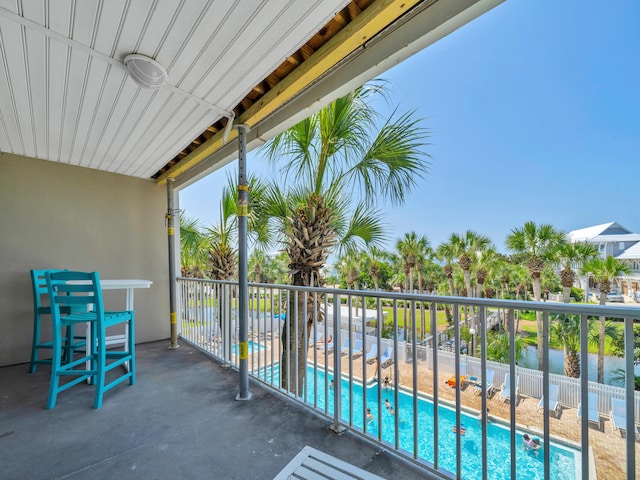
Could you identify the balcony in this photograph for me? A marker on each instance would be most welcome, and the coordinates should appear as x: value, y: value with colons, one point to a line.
x: 418, y: 378
x: 180, y: 420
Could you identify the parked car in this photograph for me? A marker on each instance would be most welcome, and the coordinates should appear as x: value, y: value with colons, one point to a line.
x: 615, y: 297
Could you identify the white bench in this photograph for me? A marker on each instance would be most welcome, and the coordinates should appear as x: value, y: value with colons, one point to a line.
x: 312, y: 464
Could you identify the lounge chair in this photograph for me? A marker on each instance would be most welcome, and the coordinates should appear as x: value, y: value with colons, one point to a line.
x: 372, y: 354
x: 327, y: 345
x: 554, y: 405
x: 593, y: 414
x: 505, y: 392
x: 316, y: 341
x: 357, y: 349
x: 452, y: 382
x: 619, y: 416
x: 387, y: 357
x: 344, y: 350
x: 488, y: 385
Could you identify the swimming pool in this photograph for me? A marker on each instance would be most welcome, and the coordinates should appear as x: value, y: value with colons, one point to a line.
x: 252, y: 347
x: 565, y: 462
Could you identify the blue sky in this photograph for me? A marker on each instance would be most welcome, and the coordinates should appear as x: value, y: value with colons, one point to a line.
x: 534, y: 114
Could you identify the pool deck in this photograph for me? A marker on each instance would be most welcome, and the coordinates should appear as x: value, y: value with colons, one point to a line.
x: 608, y: 447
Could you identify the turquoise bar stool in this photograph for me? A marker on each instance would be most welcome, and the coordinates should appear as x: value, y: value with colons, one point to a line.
x: 81, y: 292
x: 72, y: 343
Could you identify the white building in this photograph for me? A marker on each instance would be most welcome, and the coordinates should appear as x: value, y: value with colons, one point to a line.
x: 612, y: 239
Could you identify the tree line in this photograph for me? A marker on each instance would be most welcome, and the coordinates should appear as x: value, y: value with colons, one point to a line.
x: 336, y: 168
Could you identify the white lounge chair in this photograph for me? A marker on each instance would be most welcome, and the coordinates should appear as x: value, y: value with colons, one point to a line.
x: 489, y: 384
x: 372, y: 354
x: 593, y: 414
x: 554, y: 405
x: 387, y: 357
x: 505, y: 392
x: 357, y: 349
x: 619, y: 416
x: 344, y: 350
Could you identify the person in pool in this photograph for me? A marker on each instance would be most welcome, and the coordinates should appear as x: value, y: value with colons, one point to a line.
x: 388, y: 406
x: 529, y: 443
x: 369, y: 416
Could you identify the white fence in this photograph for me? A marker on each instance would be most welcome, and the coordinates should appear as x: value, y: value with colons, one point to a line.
x: 530, y: 383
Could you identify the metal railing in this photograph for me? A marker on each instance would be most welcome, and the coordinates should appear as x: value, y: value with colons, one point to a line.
x: 283, y: 320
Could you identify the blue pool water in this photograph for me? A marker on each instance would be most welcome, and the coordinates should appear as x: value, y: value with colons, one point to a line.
x: 564, y: 461
x: 251, y: 346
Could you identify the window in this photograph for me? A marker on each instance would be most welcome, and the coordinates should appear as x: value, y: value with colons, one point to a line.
x: 621, y: 246
x: 636, y: 266
x: 601, y: 247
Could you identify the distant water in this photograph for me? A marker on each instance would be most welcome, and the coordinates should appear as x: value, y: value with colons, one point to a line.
x: 556, y: 363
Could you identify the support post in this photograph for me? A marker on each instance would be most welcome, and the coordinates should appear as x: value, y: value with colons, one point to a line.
x: 243, y: 285
x: 172, y: 264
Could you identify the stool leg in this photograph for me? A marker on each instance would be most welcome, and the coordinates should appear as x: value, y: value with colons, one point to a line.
x: 132, y: 351
x: 54, y: 383
x: 35, y: 342
x: 101, y: 362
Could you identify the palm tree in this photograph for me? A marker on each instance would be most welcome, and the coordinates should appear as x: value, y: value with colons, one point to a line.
x: 538, y: 243
x: 433, y: 274
x: 373, y: 259
x: 499, y: 350
x: 566, y: 329
x: 413, y: 248
x: 337, y: 164
x: 487, y: 266
x: 222, y: 237
x: 466, y: 247
x: 573, y: 254
x: 446, y: 253
x: 604, y: 272
x: 193, y: 248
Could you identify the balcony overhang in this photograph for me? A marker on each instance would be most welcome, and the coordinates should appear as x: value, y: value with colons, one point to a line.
x: 383, y: 35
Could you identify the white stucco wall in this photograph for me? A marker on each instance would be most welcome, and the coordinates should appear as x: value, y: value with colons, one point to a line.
x: 59, y: 216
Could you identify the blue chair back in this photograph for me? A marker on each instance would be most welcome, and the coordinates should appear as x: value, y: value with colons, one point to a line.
x: 39, y: 291
x: 80, y: 291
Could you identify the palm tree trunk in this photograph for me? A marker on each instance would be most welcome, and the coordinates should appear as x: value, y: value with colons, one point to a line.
x: 467, y: 283
x: 294, y: 350
x: 566, y: 294
x: 571, y: 363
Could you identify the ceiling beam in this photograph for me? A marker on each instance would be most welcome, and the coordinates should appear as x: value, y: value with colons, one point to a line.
x: 365, y: 26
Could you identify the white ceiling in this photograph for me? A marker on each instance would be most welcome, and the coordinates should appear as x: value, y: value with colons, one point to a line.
x: 65, y: 96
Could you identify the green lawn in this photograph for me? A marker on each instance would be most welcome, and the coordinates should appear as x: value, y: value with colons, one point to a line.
x: 530, y: 337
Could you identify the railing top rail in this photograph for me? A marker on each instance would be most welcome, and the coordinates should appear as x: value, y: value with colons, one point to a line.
x: 551, y: 307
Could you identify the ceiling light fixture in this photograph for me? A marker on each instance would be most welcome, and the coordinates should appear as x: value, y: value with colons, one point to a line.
x: 146, y: 72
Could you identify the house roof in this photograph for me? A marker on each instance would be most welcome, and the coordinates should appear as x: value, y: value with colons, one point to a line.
x: 68, y: 98
x: 631, y: 253
x: 627, y: 237
x: 589, y: 234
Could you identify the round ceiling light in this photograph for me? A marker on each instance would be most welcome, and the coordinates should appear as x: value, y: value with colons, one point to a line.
x: 145, y: 71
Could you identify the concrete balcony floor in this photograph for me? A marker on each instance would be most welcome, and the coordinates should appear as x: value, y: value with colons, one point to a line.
x: 180, y: 420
